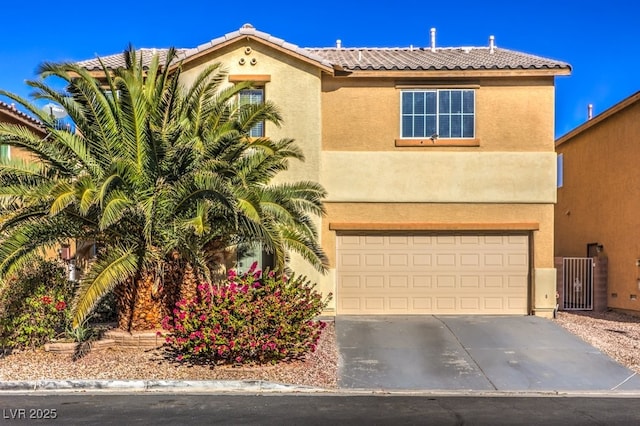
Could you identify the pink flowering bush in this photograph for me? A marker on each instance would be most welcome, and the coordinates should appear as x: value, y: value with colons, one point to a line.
x: 250, y: 318
x: 34, y: 306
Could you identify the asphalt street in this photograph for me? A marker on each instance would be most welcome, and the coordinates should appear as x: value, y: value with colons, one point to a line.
x: 316, y: 409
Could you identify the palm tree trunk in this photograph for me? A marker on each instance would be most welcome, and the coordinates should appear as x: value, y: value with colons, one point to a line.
x: 138, y: 308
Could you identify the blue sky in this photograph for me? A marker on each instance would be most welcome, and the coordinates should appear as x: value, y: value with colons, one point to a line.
x: 601, y: 40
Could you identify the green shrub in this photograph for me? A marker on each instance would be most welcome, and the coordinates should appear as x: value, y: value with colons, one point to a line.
x: 34, y: 307
x: 252, y: 318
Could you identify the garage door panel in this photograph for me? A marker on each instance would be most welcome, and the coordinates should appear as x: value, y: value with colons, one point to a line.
x: 469, y: 260
x: 517, y: 260
x: 375, y: 241
x: 421, y: 259
x: 493, y: 260
x: 422, y: 304
x: 442, y: 240
x: 470, y: 303
x: 493, y: 303
x: 399, y: 281
x: 398, y: 260
x: 399, y: 241
x: 445, y: 259
x: 422, y: 240
x: 372, y: 282
x: 516, y: 303
x: 432, y: 274
x: 470, y: 281
x: 373, y: 260
x: 444, y: 304
x: 349, y: 260
x: 398, y: 304
x: 349, y: 282
x: 421, y: 281
x: 470, y: 240
x: 494, y: 281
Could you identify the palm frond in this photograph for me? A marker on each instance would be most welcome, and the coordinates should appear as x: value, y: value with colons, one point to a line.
x: 119, y: 265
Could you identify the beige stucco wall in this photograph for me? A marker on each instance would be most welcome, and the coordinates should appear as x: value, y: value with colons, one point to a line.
x: 294, y: 87
x: 510, y: 177
x: 599, y: 201
x: 435, y: 176
x: 513, y: 114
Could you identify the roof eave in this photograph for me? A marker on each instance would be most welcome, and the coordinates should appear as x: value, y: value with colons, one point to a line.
x: 325, y: 66
x: 599, y: 118
x: 23, y: 119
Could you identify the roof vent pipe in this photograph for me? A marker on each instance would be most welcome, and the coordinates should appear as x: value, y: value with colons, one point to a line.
x: 338, y: 44
x: 492, y: 44
x: 433, y: 39
x: 589, y: 111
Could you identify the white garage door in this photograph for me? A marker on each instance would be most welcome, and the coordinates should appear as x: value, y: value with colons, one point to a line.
x: 432, y: 274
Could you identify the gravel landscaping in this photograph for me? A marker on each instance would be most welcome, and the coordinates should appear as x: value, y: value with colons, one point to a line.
x: 318, y: 369
x: 614, y: 333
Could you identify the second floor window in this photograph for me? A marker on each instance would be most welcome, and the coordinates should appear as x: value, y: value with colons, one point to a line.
x: 253, y: 96
x: 439, y: 113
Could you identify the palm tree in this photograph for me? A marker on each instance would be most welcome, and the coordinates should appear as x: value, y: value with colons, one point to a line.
x: 164, y: 176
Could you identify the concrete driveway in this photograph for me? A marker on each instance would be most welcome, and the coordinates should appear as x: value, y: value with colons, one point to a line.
x: 472, y: 353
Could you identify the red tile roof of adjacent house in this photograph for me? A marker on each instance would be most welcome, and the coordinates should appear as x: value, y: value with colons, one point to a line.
x: 13, y: 112
x: 353, y: 59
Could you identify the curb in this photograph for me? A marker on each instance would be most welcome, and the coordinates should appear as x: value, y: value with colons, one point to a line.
x: 260, y: 386
x: 193, y: 386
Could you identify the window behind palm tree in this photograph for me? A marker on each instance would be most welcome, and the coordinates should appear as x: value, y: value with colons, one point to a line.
x: 247, y: 254
x: 4, y: 152
x: 253, y: 96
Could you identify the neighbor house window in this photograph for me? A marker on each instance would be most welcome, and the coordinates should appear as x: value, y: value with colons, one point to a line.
x: 4, y: 152
x: 253, y: 96
x: 560, y: 170
x: 438, y: 113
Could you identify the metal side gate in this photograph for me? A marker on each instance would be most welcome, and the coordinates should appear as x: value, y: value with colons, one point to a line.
x: 577, y: 283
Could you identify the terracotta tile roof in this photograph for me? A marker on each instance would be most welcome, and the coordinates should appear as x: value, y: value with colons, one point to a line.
x: 410, y: 58
x: 249, y: 30
x: 117, y: 60
x: 12, y: 111
x: 447, y: 58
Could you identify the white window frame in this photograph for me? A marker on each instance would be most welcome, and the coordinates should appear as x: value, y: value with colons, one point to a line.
x: 437, y: 115
x: 258, y: 130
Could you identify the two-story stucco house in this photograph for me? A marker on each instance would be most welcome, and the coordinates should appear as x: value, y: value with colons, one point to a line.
x: 597, y: 197
x: 439, y: 164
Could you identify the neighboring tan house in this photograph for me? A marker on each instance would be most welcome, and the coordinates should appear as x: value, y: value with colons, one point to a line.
x: 439, y: 165
x: 597, y: 202
x: 10, y: 114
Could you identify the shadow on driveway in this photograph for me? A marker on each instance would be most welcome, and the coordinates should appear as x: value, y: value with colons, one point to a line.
x: 472, y: 353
